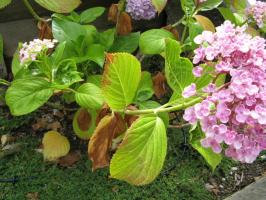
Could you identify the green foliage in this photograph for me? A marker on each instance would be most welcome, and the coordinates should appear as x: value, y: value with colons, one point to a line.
x: 145, y: 88
x: 121, y: 77
x: 188, y: 6
x: 153, y: 41
x: 4, y: 3
x: 159, y: 4
x: 213, y: 159
x: 59, y: 6
x: 89, y: 95
x: 140, y: 157
x: 91, y: 14
x: 128, y: 43
x: 210, y: 4
x: 26, y: 95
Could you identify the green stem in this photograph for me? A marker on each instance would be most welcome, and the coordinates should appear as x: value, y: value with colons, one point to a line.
x: 184, y: 34
x: 161, y: 109
x: 31, y: 10
x: 179, y: 21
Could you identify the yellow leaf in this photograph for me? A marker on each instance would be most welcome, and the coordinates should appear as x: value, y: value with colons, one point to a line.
x: 55, y: 145
x: 205, y: 22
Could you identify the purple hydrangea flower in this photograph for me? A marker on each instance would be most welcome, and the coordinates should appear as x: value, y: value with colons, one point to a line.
x: 141, y: 9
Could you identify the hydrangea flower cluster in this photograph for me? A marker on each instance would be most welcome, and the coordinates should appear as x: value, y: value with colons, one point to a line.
x: 232, y: 116
x: 31, y: 50
x: 257, y: 10
x: 141, y: 9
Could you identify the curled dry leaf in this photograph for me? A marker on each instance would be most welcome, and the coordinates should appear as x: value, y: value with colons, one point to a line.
x: 45, y: 31
x: 7, y: 138
x: 113, y: 12
x: 70, y: 159
x: 101, y: 140
x: 102, y: 113
x: 159, y: 85
x: 55, y: 146
x: 124, y: 24
x: 41, y: 123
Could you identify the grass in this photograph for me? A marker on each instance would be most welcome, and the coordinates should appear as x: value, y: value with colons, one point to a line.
x: 182, y: 178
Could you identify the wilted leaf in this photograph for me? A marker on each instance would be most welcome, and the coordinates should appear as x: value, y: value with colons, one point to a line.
x: 70, y: 159
x: 7, y: 138
x: 112, y: 13
x: 45, y: 31
x: 55, y: 146
x: 124, y: 24
x: 32, y: 196
x: 173, y: 30
x: 105, y: 110
x: 84, y: 123
x: 101, y: 140
x: 159, y: 85
x: 205, y: 22
x: 59, y: 6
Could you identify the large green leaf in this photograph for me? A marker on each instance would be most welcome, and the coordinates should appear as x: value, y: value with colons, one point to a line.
x: 159, y: 4
x: 121, y: 77
x: 210, y: 4
x: 95, y: 79
x: 107, y: 38
x: 89, y: 95
x: 213, y: 159
x: 4, y: 3
x: 140, y: 157
x: 64, y: 30
x: 59, y: 6
x: 145, y: 89
x: 178, y: 70
x: 91, y: 14
x: 26, y: 95
x: 128, y: 43
x: 227, y: 14
x: 153, y: 41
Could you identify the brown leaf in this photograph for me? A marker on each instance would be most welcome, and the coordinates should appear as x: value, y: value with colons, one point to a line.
x: 70, y: 159
x: 45, y: 31
x: 173, y: 30
x: 131, y: 118
x: 55, y: 126
x: 124, y: 24
x: 102, y: 113
x: 32, y: 196
x: 113, y: 12
x: 84, y: 120
x: 101, y: 140
x: 41, y: 123
x: 7, y: 139
x: 159, y: 85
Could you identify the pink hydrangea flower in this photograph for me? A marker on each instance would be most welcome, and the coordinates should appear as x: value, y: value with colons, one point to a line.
x: 189, y: 91
x: 257, y: 10
x: 235, y: 113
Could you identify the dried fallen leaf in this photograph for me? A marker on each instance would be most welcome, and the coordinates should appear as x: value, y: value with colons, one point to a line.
x: 159, y: 85
x: 41, y: 123
x: 55, y: 126
x: 101, y: 140
x: 124, y: 24
x: 10, y: 149
x: 70, y: 159
x: 113, y: 12
x: 55, y: 146
x: 102, y: 113
x: 7, y: 138
x: 32, y: 196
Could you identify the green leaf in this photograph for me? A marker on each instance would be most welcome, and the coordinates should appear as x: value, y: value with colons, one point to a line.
x: 211, y: 158
x: 188, y: 6
x: 107, y: 38
x: 95, y: 53
x: 194, y: 30
x: 121, y: 77
x: 154, y: 104
x: 239, y: 4
x: 159, y: 4
x: 89, y: 95
x: 128, y: 43
x: 95, y: 79
x: 66, y: 30
x: 26, y: 95
x: 178, y: 70
x: 209, y: 5
x: 4, y: 3
x: 145, y: 89
x: 59, y: 6
x: 227, y: 14
x: 16, y: 66
x: 140, y: 157
x: 153, y: 41
x: 91, y: 14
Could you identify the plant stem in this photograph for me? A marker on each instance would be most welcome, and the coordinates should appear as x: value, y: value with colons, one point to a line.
x: 184, y: 34
x: 32, y: 12
x: 179, y: 21
x: 161, y: 109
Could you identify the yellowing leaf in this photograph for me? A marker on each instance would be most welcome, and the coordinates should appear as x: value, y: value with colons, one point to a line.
x: 205, y: 22
x: 55, y: 145
x: 59, y: 6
